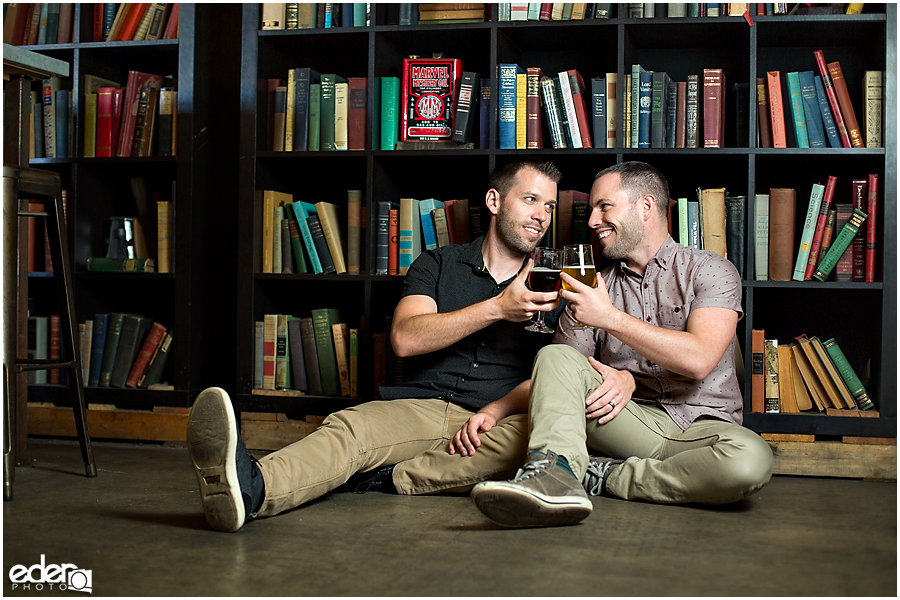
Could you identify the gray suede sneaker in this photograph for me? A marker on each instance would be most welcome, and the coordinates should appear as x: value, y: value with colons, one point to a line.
x: 598, y: 471
x: 543, y: 493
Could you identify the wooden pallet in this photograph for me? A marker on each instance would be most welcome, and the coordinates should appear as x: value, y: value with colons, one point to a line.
x: 855, y: 457
x: 163, y: 424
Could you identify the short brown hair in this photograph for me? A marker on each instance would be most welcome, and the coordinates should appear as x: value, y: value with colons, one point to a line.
x: 503, y: 178
x: 639, y: 178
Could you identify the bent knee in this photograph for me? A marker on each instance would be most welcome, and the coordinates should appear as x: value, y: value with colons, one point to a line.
x: 751, y: 467
x: 558, y: 352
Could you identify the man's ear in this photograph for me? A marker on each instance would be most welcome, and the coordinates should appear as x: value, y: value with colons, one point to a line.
x: 648, y: 205
x: 492, y: 201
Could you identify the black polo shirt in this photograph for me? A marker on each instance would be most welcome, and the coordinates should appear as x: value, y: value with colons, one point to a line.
x: 482, y: 367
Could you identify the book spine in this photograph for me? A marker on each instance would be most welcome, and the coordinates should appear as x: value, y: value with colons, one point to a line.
x: 848, y: 375
x: 390, y: 99
x: 552, y: 111
x: 764, y: 117
x: 521, y: 111
x: 354, y: 231
x: 142, y: 362
x: 463, y: 123
x: 341, y: 93
x: 307, y: 238
x: 872, y: 211
x: 164, y: 236
x: 157, y: 362
x: 507, y: 106
x: 318, y: 236
x: 658, y: 110
x: 798, y: 116
x: 692, y: 111
x: 356, y: 115
x: 758, y: 372
x: 671, y: 112
x: 299, y: 380
x: 816, y: 244
x: 873, y: 108
x: 612, y: 103
x: 300, y: 131
x: 809, y: 226
x: 533, y: 130
x: 270, y: 341
x: 310, y: 356
x: 568, y: 105
x: 342, y: 357
x: 713, y: 108
x: 322, y: 319
x: 860, y: 194
x: 281, y: 352
x: 113, y: 334
x: 832, y: 99
x: 840, y: 244
x: 776, y: 109
x: 772, y: 402
x: 847, y: 112
x: 735, y: 227
x: 782, y: 214
x: 382, y: 240
x: 484, y: 114
x: 98, y: 344
x: 259, y: 351
x: 831, y: 132
x: 645, y: 110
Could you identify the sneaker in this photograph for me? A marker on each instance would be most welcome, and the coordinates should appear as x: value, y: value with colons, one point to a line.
x: 377, y: 480
x: 598, y: 471
x: 544, y: 493
x: 231, y: 484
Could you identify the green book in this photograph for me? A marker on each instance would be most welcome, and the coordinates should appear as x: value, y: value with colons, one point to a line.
x: 113, y: 333
x: 797, y: 115
x: 323, y: 319
x: 315, y: 104
x: 326, y: 110
x: 90, y: 125
x: 848, y: 375
x: 134, y: 330
x: 839, y: 245
x: 390, y: 99
x: 809, y: 229
x: 296, y: 241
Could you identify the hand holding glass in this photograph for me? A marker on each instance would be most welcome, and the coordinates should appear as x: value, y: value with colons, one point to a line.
x: 578, y: 263
x: 544, y: 277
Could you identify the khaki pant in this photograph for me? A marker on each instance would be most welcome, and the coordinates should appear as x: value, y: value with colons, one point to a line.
x: 377, y: 434
x: 713, y: 462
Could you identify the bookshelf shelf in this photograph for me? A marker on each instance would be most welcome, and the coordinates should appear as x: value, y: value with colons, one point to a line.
x: 679, y: 47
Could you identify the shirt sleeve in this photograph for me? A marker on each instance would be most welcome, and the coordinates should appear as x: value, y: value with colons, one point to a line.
x: 580, y: 338
x: 422, y: 277
x: 717, y: 284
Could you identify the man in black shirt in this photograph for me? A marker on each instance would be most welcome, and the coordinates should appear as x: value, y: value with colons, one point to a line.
x: 460, y: 327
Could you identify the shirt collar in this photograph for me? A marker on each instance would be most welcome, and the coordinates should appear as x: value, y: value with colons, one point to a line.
x: 471, y: 255
x: 664, y: 256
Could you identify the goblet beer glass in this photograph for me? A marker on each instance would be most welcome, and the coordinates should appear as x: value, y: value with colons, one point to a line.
x: 544, y: 277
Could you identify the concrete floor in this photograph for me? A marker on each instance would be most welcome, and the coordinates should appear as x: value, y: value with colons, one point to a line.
x: 140, y: 529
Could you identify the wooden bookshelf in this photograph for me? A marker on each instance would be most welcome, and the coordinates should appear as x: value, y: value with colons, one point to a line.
x: 678, y: 46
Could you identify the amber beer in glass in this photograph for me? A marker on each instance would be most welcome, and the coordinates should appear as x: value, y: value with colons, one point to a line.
x: 544, y: 277
x: 579, y: 264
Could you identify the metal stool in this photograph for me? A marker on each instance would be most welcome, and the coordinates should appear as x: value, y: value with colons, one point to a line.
x: 43, y: 186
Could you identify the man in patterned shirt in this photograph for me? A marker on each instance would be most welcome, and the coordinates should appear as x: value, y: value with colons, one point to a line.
x: 649, y: 380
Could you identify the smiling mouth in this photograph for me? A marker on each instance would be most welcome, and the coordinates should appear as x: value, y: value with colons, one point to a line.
x: 604, y: 234
x: 534, y: 231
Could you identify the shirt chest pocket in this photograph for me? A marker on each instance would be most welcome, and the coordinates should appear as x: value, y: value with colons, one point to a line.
x: 674, y: 317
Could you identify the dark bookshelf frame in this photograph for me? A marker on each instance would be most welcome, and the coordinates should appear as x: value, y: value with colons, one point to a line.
x: 633, y: 38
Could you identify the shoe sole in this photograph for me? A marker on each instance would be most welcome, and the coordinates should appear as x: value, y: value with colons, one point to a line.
x: 212, y: 439
x: 513, y: 507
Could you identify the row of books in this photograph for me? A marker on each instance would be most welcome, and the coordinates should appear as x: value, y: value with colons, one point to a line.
x: 125, y: 21
x: 300, y: 237
x: 803, y: 374
x: 312, y: 15
x: 552, y: 11
x: 51, y: 120
x: 38, y: 237
x: 736, y: 9
x: 316, y: 355
x: 835, y: 237
x: 37, y: 23
x: 314, y: 111
x: 820, y: 109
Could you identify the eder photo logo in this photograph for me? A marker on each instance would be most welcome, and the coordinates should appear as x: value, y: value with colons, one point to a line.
x: 41, y: 576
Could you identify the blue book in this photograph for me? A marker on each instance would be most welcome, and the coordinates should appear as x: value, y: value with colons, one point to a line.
x: 304, y: 77
x: 507, y: 105
x: 359, y: 14
x: 797, y: 115
x: 428, y: 230
x: 644, y: 102
x: 815, y: 128
x: 42, y: 29
x: 98, y: 341
x: 484, y: 116
x: 52, y: 22
x: 831, y: 132
x: 321, y: 246
x: 346, y: 14
x: 109, y: 15
x: 303, y: 210
x: 63, y: 120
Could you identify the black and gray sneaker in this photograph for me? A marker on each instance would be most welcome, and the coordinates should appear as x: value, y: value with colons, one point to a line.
x: 376, y: 480
x: 598, y: 471
x: 544, y: 493
x: 231, y: 484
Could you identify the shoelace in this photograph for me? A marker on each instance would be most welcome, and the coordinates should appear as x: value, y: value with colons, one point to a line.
x: 531, y: 469
x: 595, y: 483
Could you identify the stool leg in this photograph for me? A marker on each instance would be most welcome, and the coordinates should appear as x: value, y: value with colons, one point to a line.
x: 65, y: 298
x: 10, y: 330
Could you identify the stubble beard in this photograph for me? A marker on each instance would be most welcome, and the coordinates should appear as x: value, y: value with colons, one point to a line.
x: 629, y: 233
x: 510, y: 233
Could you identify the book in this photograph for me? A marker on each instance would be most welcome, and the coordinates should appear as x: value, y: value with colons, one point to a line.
x: 439, y: 216
x: 782, y: 215
x: 168, y: 111
x: 758, y: 373
x: 831, y: 132
x: 612, y: 104
x: 134, y: 330
x: 873, y: 108
x: 333, y: 228
x: 298, y: 360
x: 327, y: 110
x: 271, y: 199
x: 712, y: 220
x: 848, y: 375
x: 464, y: 119
x: 843, y: 269
x: 356, y: 113
x: 764, y: 117
x: 102, y: 264
x: 304, y: 78
x: 354, y: 362
x: 787, y: 399
x: 776, y: 109
x: 484, y: 113
x: 658, y: 109
x: 818, y: 235
x: 110, y: 347
x: 410, y: 233
x: 692, y: 112
x: 713, y: 108
x: 428, y: 93
x: 282, y: 359
x: 270, y: 342
x: 154, y: 372
x: 98, y: 342
x: 341, y: 99
x: 795, y: 104
x: 144, y: 24
x: 872, y: 211
x: 845, y: 397
x: 552, y: 111
x: 828, y: 236
x: 109, y: 109
x: 273, y: 15
x: 809, y: 226
x: 761, y: 237
x: 310, y: 356
x: 839, y: 245
x: 521, y: 110
x: 49, y: 87
x: 321, y: 244
x: 735, y: 226
x: 644, y: 109
x: 815, y: 126
x: 598, y: 109
x: 534, y: 138
x: 507, y: 104
x: 830, y: 93
x: 142, y: 362
x: 145, y: 122
x: 635, y: 89
x: 87, y: 348
x: 382, y: 232
x: 131, y: 22
x: 831, y: 397
x: 808, y: 376
x: 279, y: 118
x: 171, y: 31
x: 672, y: 112
x: 847, y: 112
x: 342, y: 355
x: 314, y: 120
x: 354, y: 231
x: 772, y: 401
x: 164, y: 225
x: 323, y: 319
x: 390, y: 102
x: 63, y: 123
x: 428, y: 230
x: 296, y: 240
x: 801, y: 395
x: 302, y: 212
x: 54, y: 348
x: 38, y: 347
x: 130, y: 103
x: 860, y: 194
x: 258, y: 353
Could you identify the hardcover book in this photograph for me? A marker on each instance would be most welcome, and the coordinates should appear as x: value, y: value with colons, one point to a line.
x: 109, y: 110
x: 713, y: 108
x: 782, y: 214
x: 322, y: 320
x: 429, y: 90
x: 310, y: 356
x: 356, y: 116
x: 507, y: 105
x: 130, y: 104
x: 818, y: 235
x: 809, y: 226
x: 464, y: 120
x: 840, y: 244
x: 776, y: 109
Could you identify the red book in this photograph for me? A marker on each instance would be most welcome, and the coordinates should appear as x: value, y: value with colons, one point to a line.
x: 130, y: 101
x: 154, y: 337
x: 21, y: 22
x: 32, y: 24
x: 546, y: 11
x: 55, y: 345
x: 98, y: 22
x: 872, y: 211
x: 394, y: 242
x: 451, y: 220
x: 271, y: 84
x: 776, y: 109
x: 843, y: 96
x: 356, y: 114
x: 860, y: 195
x: 172, y: 24
x: 817, y: 241
x: 764, y: 116
x: 34, y: 237
x: 576, y: 83
x: 109, y: 109
x: 131, y: 21
x: 782, y: 219
x: 713, y: 108
x: 428, y: 94
x: 832, y: 99
x: 829, y: 231
x: 534, y: 137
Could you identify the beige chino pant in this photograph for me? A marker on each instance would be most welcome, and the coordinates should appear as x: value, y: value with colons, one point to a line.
x: 712, y: 462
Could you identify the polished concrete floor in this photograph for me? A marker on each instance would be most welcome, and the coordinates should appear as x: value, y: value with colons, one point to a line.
x: 139, y: 528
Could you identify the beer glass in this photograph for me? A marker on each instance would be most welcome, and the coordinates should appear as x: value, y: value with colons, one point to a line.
x: 544, y: 277
x: 579, y: 264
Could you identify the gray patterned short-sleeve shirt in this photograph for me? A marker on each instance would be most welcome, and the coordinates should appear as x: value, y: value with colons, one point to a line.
x: 677, y: 281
